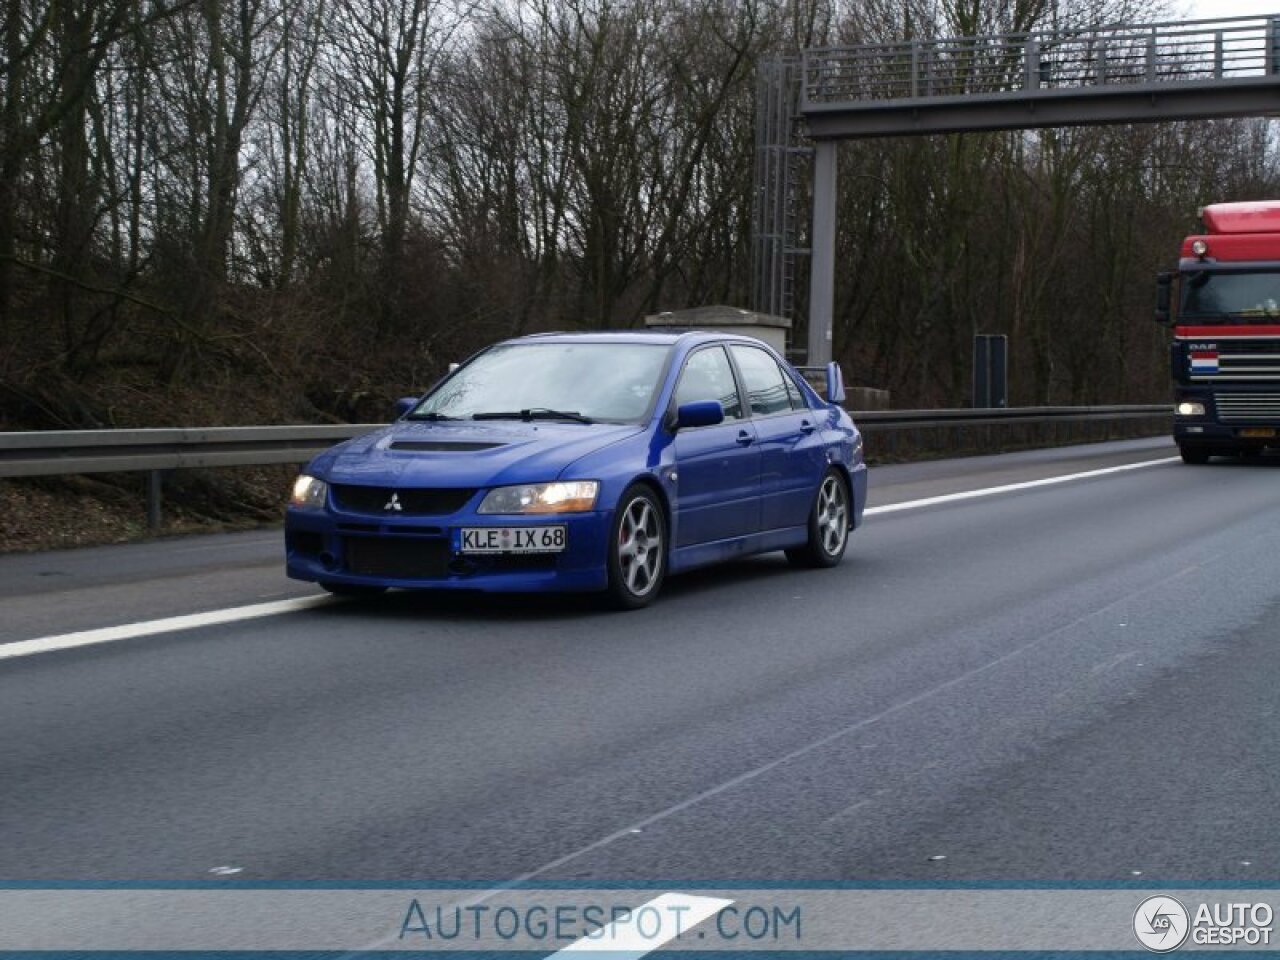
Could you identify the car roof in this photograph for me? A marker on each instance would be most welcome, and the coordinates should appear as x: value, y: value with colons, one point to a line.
x: 659, y: 336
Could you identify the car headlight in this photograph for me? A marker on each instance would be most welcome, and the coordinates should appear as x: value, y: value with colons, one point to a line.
x: 561, y: 497
x: 308, y: 493
x: 1190, y: 408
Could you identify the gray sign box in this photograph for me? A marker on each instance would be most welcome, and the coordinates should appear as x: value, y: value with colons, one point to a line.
x: 990, y: 370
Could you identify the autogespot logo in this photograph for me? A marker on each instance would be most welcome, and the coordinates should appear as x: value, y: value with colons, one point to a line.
x: 1161, y: 924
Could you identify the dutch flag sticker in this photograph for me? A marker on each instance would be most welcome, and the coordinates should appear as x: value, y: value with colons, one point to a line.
x: 1204, y: 361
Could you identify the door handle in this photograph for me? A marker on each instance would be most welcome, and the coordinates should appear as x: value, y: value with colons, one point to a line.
x: 806, y: 427
x: 745, y: 438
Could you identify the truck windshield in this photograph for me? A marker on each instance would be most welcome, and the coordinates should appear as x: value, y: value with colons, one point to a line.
x: 1233, y: 296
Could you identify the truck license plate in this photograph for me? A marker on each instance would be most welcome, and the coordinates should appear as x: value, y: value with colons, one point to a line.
x: 513, y: 539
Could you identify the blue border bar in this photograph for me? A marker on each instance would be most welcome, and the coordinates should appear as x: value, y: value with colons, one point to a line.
x: 684, y: 886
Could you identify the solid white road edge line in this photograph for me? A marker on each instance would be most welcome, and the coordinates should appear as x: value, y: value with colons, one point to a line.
x: 127, y: 631
x: 626, y: 940
x: 1012, y: 487
x: 146, y: 628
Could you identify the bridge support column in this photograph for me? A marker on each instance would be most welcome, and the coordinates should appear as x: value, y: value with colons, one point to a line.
x: 822, y: 259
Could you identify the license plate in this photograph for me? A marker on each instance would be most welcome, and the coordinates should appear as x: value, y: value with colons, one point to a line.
x: 513, y: 539
x: 1258, y: 432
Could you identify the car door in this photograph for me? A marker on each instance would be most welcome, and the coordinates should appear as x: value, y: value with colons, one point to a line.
x: 718, y: 467
x: 792, y: 452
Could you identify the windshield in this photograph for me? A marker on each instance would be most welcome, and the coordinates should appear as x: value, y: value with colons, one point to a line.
x: 573, y: 381
x: 1231, y: 295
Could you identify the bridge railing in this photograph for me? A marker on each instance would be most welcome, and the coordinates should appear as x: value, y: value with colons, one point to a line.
x: 1238, y: 48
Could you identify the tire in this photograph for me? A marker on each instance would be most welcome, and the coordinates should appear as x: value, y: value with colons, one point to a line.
x: 828, y: 524
x: 354, y: 590
x: 637, y: 559
x: 1193, y: 455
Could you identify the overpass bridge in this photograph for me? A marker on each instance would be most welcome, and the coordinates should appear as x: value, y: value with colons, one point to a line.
x: 1126, y: 73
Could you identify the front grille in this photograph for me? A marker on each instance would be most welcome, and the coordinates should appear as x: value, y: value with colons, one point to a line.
x: 513, y: 563
x: 1243, y: 360
x: 401, y: 558
x: 433, y: 502
x: 1247, y: 407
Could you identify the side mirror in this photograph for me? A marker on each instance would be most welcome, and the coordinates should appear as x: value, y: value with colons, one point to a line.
x: 404, y: 405
x: 1164, y: 296
x: 835, y: 383
x: 701, y: 413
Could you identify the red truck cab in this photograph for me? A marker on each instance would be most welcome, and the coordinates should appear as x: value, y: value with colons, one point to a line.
x: 1225, y: 357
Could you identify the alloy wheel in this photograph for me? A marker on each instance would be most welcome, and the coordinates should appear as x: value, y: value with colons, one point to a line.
x: 833, y: 515
x: 640, y: 546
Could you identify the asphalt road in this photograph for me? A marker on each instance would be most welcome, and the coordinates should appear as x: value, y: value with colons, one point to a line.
x: 1075, y: 681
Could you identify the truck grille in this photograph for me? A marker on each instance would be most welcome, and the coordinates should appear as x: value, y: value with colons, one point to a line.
x: 400, y: 558
x: 412, y: 502
x: 1247, y: 407
x: 1256, y: 360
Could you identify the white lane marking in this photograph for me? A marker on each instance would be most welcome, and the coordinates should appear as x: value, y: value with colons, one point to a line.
x: 647, y: 928
x: 1013, y: 487
x: 146, y: 628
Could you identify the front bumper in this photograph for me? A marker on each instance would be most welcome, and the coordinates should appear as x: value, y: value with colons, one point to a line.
x: 1209, y: 432
x: 1202, y: 433
x: 422, y: 552
x: 859, y: 483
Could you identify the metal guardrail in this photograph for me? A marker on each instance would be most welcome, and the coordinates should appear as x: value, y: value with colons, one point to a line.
x: 62, y: 452
x: 883, y: 421
x: 157, y: 451
x: 1160, y: 54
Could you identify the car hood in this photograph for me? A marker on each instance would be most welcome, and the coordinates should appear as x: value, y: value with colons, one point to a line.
x: 466, y: 453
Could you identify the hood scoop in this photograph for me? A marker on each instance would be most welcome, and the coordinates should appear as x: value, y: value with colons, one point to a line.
x: 444, y: 446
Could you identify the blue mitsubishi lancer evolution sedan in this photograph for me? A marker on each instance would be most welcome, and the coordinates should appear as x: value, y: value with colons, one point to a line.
x: 586, y: 462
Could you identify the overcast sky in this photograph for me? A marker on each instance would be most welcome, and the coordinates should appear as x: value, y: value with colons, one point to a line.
x: 1211, y: 9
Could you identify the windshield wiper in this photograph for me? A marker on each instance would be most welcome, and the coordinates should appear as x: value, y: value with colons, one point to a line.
x: 533, y: 413
x: 430, y: 415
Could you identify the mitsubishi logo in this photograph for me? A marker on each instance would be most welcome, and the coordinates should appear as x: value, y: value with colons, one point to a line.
x: 393, y: 503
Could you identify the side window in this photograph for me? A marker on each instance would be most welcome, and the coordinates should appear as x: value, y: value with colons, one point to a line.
x: 708, y: 376
x: 766, y: 386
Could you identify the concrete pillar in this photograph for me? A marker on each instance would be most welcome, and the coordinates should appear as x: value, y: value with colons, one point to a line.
x: 822, y: 259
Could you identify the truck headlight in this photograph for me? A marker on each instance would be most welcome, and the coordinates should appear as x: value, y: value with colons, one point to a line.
x: 308, y: 493
x: 573, y: 496
x: 1190, y: 408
